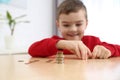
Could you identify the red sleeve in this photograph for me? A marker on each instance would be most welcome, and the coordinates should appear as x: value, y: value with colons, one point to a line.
x: 92, y: 41
x: 115, y: 49
x: 44, y: 48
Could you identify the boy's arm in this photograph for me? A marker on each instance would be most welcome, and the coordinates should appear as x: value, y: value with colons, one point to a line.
x: 115, y: 49
x: 92, y: 42
x: 44, y: 48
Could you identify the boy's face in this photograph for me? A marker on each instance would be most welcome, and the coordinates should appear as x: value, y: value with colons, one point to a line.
x: 73, y: 25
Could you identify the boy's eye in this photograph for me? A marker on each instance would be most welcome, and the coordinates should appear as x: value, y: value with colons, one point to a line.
x: 66, y: 25
x: 78, y: 25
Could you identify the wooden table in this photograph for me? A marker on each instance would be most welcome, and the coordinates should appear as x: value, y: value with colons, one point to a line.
x: 23, y: 67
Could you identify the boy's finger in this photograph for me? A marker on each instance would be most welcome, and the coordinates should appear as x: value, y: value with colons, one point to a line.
x: 107, y: 55
x: 83, y: 53
x: 99, y: 53
x: 101, y: 56
x: 89, y: 53
x: 77, y: 52
x: 94, y: 53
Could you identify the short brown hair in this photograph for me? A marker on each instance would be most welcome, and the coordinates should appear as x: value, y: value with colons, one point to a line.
x: 69, y: 6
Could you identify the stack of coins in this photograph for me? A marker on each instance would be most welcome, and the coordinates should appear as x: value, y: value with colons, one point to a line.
x: 60, y: 57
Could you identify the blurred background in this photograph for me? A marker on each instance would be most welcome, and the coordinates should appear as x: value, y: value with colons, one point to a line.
x: 103, y: 17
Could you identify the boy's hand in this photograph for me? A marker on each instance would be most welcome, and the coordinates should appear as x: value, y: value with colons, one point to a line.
x: 101, y: 52
x: 76, y: 47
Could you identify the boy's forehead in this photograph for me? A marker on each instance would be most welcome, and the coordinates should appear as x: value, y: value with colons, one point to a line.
x: 74, y: 16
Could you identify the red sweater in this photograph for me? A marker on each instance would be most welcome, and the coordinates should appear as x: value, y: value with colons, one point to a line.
x: 47, y: 47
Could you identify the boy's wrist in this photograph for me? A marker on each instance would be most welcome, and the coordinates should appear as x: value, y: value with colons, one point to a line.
x: 60, y: 45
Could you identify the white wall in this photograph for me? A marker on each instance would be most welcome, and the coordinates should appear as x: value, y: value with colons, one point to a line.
x: 40, y: 14
x: 103, y: 19
x: 41, y: 17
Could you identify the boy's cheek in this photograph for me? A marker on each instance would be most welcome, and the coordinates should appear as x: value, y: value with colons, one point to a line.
x: 81, y: 30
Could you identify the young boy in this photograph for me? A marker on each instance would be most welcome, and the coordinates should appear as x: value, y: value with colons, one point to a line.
x: 72, y: 22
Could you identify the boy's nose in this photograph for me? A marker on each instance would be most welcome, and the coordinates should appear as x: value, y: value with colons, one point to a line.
x: 73, y: 28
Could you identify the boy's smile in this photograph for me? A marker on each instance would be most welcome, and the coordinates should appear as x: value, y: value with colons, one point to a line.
x: 73, y: 25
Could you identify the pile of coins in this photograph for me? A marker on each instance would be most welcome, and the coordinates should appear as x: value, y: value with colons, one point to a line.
x: 60, y: 57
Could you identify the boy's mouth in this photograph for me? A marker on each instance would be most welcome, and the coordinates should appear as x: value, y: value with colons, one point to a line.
x: 73, y: 35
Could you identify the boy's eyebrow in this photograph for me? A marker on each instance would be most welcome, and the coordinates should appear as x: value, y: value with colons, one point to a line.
x: 71, y: 22
x: 65, y: 22
x: 80, y: 21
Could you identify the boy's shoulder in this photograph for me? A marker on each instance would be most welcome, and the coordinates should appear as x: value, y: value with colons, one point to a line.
x: 90, y: 38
